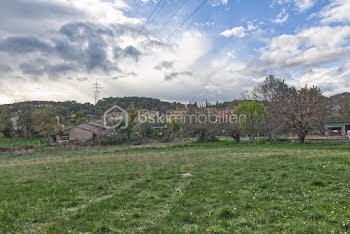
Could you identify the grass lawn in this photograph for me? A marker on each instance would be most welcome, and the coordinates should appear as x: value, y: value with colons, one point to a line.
x: 194, y: 188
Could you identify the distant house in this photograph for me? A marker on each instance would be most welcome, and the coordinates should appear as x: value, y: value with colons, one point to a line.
x: 181, y: 111
x: 338, y: 128
x: 87, y: 131
x: 161, y: 129
x: 210, y: 109
x: 230, y: 109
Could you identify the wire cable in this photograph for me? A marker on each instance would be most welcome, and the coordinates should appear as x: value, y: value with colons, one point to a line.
x: 189, y: 17
x: 132, y: 13
x: 136, y: 8
x: 159, y: 10
x: 132, y: 8
x: 173, y: 16
x: 149, y: 18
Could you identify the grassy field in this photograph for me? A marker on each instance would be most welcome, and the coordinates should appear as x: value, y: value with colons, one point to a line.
x: 194, y: 188
x: 19, y: 142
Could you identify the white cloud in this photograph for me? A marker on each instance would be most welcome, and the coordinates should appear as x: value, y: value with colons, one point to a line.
x: 312, y: 47
x: 337, y: 11
x: 303, y: 5
x: 100, y: 50
x: 331, y: 80
x: 224, y: 2
x: 234, y: 32
x: 251, y: 26
x: 189, y: 58
x: 282, y: 17
x: 299, y: 5
x: 216, y: 3
x: 241, y: 31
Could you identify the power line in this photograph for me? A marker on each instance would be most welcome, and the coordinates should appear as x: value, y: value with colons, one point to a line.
x: 96, y: 89
x: 189, y: 17
x: 134, y: 9
x: 159, y: 10
x: 149, y: 18
x: 137, y: 8
x: 173, y: 16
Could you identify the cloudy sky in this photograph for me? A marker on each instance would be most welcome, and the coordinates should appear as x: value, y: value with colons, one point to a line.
x: 56, y: 50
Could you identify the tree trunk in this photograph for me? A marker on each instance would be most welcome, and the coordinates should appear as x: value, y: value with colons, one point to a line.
x: 302, y: 138
x: 202, y: 137
x: 48, y: 139
x: 237, y: 137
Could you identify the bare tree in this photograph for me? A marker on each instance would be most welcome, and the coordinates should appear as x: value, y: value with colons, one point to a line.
x: 204, y: 128
x: 205, y: 132
x: 304, y: 111
x: 272, y: 92
x: 233, y: 130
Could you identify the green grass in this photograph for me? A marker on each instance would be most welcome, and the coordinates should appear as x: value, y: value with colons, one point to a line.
x: 19, y: 142
x: 194, y: 188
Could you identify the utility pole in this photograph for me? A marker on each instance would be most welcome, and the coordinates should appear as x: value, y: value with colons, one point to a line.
x: 96, y: 89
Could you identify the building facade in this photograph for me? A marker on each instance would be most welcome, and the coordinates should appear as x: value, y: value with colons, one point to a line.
x: 87, y: 131
x: 340, y: 128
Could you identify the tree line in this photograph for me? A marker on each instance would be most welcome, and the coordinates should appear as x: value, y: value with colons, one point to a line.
x: 272, y: 109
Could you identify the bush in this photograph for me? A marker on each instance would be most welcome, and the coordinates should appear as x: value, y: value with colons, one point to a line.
x: 115, y: 140
x: 205, y: 132
x: 166, y: 139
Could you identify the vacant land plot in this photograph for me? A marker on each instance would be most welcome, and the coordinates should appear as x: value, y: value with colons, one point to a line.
x: 194, y: 188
